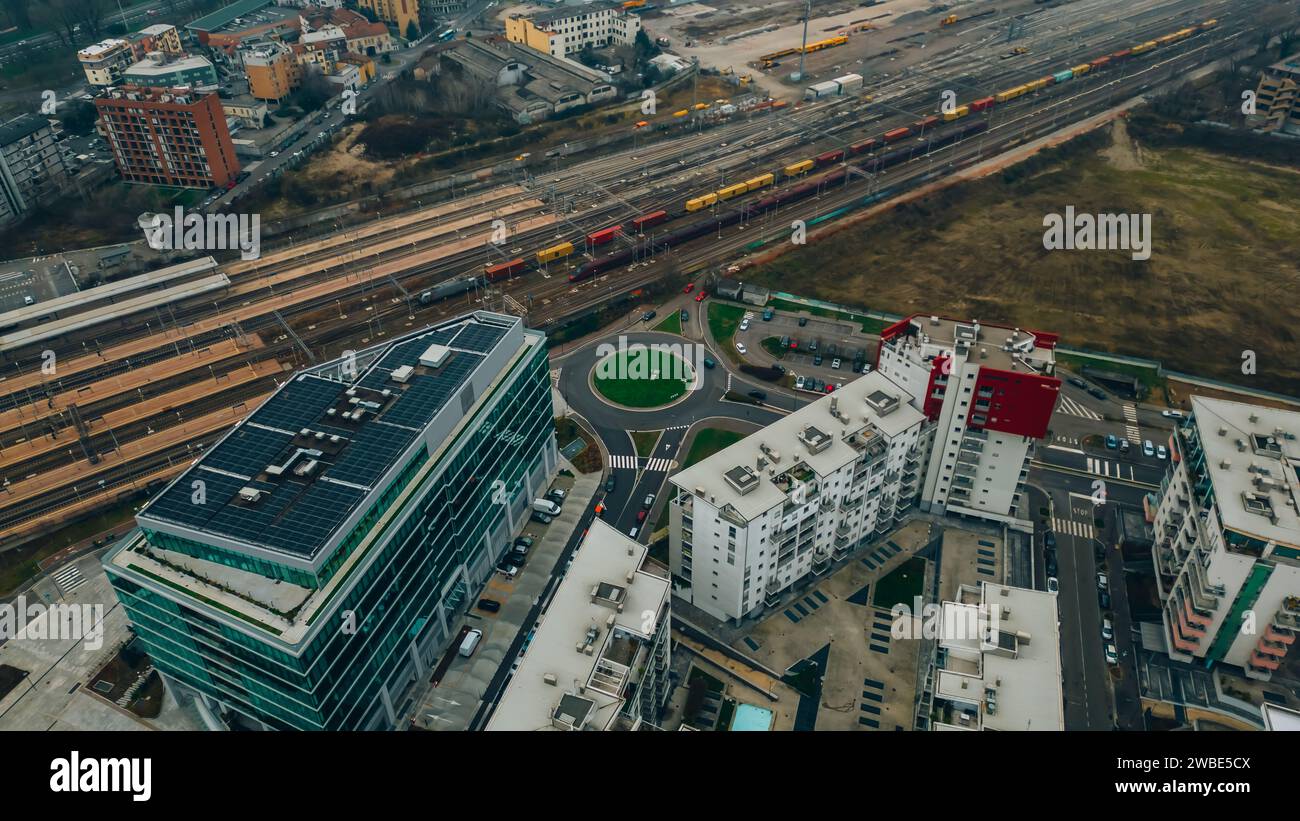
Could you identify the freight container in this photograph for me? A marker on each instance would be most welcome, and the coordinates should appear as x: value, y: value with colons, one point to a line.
x: 760, y: 182
x: 819, y: 91
x: 849, y: 83
x: 957, y: 113
x: 732, y: 191
x: 864, y: 147
x: 1147, y: 46
x: 653, y: 218
x: 1099, y: 62
x: 982, y: 104
x: 555, y: 252
x: 1209, y: 24
x: 1062, y: 76
x: 1123, y: 54
x: 829, y: 157
x: 1009, y: 94
x: 896, y: 134
x: 801, y: 167
x: 699, y: 203
x: 603, y: 236
x: 1081, y: 69
x: 498, y: 272
x: 928, y: 122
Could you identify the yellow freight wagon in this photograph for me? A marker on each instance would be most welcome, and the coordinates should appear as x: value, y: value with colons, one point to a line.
x: 554, y: 252
x: 1209, y: 24
x: 1081, y: 69
x: 1147, y: 46
x: 960, y: 111
x: 1009, y: 94
x: 681, y: 113
x: 702, y: 202
x: 760, y: 182
x: 1041, y: 82
x: 801, y: 167
x: 732, y: 191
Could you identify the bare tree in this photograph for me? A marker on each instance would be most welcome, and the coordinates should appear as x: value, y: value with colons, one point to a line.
x: 18, y: 12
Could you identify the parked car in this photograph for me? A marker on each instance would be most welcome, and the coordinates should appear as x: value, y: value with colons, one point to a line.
x: 812, y: 346
x: 470, y: 642
x: 649, y: 501
x: 526, y: 541
x: 709, y: 363
x: 1103, y: 599
x: 700, y: 297
x: 1161, y: 453
x: 760, y: 396
x: 1148, y: 449
x: 648, y: 315
x: 1053, y: 586
x: 609, y: 484
x: 506, y: 569
x: 741, y: 349
x: 835, y: 364
x: 803, y: 320
x: 1103, y: 582
x: 1097, y: 393
x: 547, y: 506
x: 1077, y: 382
x: 1107, y: 630
x: 690, y: 286
x: 1123, y: 446
x: 632, y: 533
x: 798, y: 383
x: 785, y: 342
x: 489, y: 605
x: 1112, y: 656
x: 744, y: 324
x: 557, y: 495
x: 641, y: 514
x: 1112, y: 442
x: 768, y: 313
x: 1049, y: 540
x: 1172, y: 414
x: 540, y: 518
x: 817, y: 359
x: 1051, y: 567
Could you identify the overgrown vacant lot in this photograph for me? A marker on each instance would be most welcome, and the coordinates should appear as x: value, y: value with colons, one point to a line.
x: 1223, y: 276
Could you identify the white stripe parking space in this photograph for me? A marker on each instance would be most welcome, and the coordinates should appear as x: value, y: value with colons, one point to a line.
x: 1073, y: 408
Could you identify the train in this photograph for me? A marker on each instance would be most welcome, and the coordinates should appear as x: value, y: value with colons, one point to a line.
x: 874, y: 155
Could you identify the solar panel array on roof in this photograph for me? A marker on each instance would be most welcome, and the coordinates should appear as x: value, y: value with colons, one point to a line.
x: 375, y: 449
x: 298, y: 404
x: 178, y: 503
x: 480, y: 338
x: 248, y: 450
x: 428, y: 392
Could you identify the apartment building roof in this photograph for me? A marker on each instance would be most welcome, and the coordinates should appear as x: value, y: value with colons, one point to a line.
x: 225, y: 16
x: 995, y: 346
x: 1252, y: 454
x: 292, y: 477
x: 575, y: 670
x: 101, y: 48
x: 824, y: 435
x: 23, y: 125
x: 544, y: 18
x: 147, y: 67
x: 1014, y: 674
x: 156, y: 29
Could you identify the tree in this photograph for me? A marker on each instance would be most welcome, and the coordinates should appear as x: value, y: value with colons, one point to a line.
x: 78, y: 117
x: 412, y: 31
x: 18, y: 12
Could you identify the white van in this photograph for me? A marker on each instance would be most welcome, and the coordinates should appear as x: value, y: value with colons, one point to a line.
x: 471, y: 641
x: 546, y: 506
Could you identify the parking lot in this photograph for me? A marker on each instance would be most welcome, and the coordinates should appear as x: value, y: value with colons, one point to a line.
x: 41, y: 281
x: 824, y: 334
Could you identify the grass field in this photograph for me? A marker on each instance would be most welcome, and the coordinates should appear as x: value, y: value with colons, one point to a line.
x: 709, y: 441
x: 671, y: 324
x: 644, y: 441
x: 1225, y: 245
x: 643, y: 378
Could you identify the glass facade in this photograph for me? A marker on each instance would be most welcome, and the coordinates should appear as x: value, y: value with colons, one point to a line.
x: 402, y: 600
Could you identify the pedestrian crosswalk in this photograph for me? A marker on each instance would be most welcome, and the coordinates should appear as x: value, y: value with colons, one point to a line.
x: 69, y: 579
x: 677, y: 427
x: 1131, y: 429
x: 633, y: 463
x: 1074, y: 408
x: 1110, y: 470
x: 1083, y: 530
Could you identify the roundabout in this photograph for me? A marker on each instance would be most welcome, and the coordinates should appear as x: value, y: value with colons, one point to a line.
x: 645, y: 377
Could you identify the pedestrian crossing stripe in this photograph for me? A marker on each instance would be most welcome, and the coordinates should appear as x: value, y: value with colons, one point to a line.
x: 69, y: 578
x: 1073, y: 408
x: 1104, y: 468
x: 1083, y: 530
x: 1131, y: 430
x: 633, y: 463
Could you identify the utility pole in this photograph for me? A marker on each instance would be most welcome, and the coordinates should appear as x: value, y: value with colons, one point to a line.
x: 803, y: 46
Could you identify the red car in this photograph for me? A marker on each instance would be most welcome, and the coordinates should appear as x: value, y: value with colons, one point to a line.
x: 640, y: 515
x: 700, y: 296
x: 690, y: 286
x: 830, y: 388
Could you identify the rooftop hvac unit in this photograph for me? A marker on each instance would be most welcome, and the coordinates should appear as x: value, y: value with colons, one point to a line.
x: 434, y: 356
x: 250, y: 494
x: 402, y: 374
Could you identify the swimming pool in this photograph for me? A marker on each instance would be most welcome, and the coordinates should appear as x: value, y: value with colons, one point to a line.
x: 751, y: 718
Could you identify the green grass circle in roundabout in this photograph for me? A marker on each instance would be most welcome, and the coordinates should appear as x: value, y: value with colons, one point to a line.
x: 641, y: 376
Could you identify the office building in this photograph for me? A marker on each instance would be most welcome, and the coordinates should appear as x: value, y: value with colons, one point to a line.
x: 312, y: 566
x: 566, y: 30
x: 599, y: 656
x: 989, y: 392
x: 165, y: 70
x: 162, y: 136
x: 1227, y: 537
x: 32, y: 170
x: 272, y: 70
x: 753, y: 519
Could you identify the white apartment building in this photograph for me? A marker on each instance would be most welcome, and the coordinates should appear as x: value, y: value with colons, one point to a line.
x: 989, y: 391
x: 1227, y: 537
x: 105, y: 61
x: 599, y: 657
x: 754, y: 518
x: 1001, y: 663
x: 566, y: 30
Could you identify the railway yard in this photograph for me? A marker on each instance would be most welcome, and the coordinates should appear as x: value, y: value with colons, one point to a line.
x: 101, y: 399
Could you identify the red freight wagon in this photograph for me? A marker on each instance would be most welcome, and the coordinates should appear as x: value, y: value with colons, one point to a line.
x: 896, y: 134
x: 928, y: 122
x: 863, y: 147
x: 1122, y: 55
x: 1099, y: 62
x: 498, y: 272
x: 830, y: 157
x: 653, y: 218
x: 982, y: 105
x: 603, y: 236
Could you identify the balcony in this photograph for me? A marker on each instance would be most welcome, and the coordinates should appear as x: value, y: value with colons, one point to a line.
x: 1193, y: 616
x: 1188, y: 629
x: 1264, y: 662
x: 1277, y: 651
